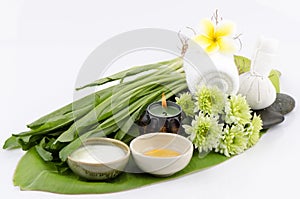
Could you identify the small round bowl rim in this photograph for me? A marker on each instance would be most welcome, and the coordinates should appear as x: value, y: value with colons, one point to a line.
x: 110, y: 140
x: 162, y: 134
x: 164, y: 117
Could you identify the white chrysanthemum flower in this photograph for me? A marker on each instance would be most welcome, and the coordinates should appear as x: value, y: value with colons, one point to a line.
x: 205, y: 132
x: 234, y: 140
x: 237, y: 110
x: 253, y: 130
x: 210, y: 100
x: 185, y: 101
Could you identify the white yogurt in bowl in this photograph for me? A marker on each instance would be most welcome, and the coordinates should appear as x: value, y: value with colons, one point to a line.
x: 98, y: 154
x: 99, y: 158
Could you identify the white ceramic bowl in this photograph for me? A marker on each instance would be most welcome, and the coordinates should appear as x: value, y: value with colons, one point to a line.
x: 161, y: 166
x: 90, y: 164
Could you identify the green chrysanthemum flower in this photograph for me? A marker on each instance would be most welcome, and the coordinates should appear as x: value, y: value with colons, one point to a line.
x: 237, y: 110
x: 234, y: 141
x: 187, y: 104
x: 210, y: 100
x: 253, y: 130
x: 205, y: 132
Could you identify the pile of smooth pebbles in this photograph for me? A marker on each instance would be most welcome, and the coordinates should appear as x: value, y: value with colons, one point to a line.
x: 275, y: 113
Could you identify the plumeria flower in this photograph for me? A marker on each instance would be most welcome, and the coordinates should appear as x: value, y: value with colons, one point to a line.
x: 217, y: 36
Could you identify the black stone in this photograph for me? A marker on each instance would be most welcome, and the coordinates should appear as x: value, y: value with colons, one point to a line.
x: 283, y: 104
x: 269, y: 118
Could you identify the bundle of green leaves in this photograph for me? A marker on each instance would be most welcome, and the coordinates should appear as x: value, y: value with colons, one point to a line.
x: 109, y: 112
x: 219, y: 122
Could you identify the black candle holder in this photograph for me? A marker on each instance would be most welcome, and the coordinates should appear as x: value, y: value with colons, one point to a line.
x: 150, y: 122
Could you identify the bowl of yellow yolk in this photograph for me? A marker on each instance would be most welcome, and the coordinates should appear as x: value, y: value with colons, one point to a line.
x: 161, y: 154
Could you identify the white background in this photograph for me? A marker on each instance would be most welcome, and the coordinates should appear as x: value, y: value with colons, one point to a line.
x: 44, y: 43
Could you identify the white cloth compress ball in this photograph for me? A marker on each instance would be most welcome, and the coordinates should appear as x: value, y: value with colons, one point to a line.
x: 258, y: 90
x: 256, y: 85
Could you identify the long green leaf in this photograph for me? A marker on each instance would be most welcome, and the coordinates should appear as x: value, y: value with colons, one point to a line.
x: 88, y: 100
x: 44, y: 154
x: 130, y: 72
x: 11, y: 143
x: 57, y: 122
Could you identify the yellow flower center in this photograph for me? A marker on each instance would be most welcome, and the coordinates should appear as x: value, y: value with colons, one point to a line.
x: 215, y: 39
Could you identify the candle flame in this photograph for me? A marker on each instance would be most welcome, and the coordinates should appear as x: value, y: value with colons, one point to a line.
x: 163, y: 101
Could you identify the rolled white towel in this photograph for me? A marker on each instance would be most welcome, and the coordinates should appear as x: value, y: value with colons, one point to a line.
x: 221, y: 73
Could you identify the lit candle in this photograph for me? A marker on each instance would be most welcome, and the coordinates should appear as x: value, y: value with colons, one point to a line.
x: 164, y: 109
x: 162, y: 116
x: 172, y: 109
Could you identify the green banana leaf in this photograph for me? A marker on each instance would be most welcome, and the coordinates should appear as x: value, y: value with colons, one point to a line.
x: 274, y: 76
x: 243, y: 64
x: 32, y: 173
